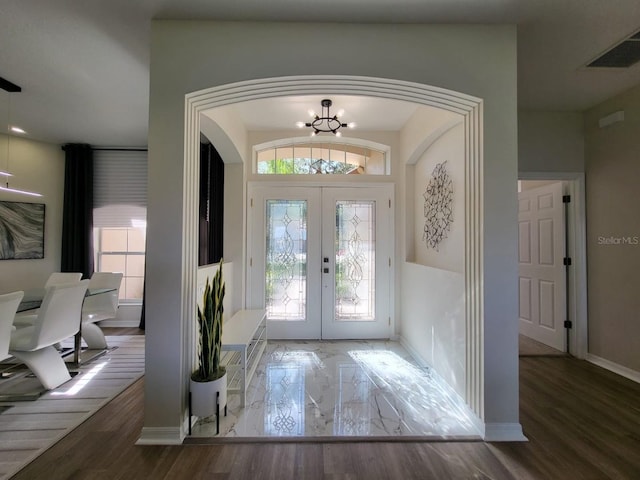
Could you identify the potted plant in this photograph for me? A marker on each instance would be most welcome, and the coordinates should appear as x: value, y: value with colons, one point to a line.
x: 210, y: 377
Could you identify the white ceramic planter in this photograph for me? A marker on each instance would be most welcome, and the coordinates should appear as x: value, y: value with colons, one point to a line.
x: 203, y: 396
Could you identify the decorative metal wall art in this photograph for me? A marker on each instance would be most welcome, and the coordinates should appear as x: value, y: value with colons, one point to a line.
x: 438, y: 206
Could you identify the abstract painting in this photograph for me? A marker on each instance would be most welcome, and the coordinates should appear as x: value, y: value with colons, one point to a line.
x: 21, y: 230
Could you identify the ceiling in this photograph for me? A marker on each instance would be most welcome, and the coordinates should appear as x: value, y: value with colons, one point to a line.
x: 84, y: 65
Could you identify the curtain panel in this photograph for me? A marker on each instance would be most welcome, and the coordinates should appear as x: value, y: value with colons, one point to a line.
x: 77, y: 215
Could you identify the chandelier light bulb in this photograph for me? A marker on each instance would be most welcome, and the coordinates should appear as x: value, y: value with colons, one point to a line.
x: 300, y: 124
x: 351, y: 125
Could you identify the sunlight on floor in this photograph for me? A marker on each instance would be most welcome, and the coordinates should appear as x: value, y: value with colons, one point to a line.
x: 343, y: 388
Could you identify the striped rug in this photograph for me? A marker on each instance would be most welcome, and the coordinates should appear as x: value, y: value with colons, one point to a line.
x: 28, y: 428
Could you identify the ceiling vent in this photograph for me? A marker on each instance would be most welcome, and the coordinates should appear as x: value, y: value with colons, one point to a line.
x: 623, y: 55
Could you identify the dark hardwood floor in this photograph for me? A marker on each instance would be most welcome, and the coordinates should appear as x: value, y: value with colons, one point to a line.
x: 582, y: 421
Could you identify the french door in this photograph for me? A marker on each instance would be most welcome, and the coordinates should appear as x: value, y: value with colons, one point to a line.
x: 320, y: 260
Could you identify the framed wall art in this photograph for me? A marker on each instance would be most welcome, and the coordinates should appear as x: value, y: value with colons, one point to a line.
x: 21, y: 230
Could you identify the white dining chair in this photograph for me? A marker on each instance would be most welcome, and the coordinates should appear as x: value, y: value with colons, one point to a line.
x: 8, y: 306
x: 58, y: 319
x: 56, y: 278
x: 103, y: 306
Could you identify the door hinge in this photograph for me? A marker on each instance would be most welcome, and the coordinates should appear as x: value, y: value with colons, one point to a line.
x: 251, y: 262
x: 389, y: 203
x: 566, y: 198
x: 251, y: 203
x: 389, y: 321
x: 389, y: 261
x: 568, y: 324
x: 566, y: 261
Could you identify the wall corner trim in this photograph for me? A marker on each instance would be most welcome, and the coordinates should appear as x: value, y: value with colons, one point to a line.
x: 160, y: 436
x: 504, y: 432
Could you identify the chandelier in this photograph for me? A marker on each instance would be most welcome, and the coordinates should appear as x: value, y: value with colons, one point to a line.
x: 326, y: 123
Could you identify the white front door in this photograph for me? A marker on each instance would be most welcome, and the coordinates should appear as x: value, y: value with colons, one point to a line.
x: 541, y: 245
x: 320, y: 260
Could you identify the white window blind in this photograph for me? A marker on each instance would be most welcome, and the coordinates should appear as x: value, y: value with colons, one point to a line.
x: 119, y: 188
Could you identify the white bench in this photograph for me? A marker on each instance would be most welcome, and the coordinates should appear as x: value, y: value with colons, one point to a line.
x: 244, y: 338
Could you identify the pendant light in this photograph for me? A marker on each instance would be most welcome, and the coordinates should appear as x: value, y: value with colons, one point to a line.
x: 4, y: 185
x: 325, y: 123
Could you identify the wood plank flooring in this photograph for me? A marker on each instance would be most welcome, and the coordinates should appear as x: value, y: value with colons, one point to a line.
x: 583, y: 422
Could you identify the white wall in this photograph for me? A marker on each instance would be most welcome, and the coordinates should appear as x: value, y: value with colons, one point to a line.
x: 433, y: 290
x: 449, y: 254
x: 192, y: 56
x: 433, y: 322
x: 38, y: 167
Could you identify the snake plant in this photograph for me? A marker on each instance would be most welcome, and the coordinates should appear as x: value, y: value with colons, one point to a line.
x: 210, y: 330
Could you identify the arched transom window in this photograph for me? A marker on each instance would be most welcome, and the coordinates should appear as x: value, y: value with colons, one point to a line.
x: 304, y: 157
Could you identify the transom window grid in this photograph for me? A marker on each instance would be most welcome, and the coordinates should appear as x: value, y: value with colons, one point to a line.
x: 122, y: 249
x: 320, y: 158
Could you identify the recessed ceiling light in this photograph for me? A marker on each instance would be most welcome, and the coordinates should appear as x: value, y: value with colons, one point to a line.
x: 17, y: 130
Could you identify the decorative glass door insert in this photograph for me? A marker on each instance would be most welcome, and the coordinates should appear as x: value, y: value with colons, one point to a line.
x: 286, y: 259
x: 355, y: 260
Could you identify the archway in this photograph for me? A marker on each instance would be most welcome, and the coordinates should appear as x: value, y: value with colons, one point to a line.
x: 470, y: 108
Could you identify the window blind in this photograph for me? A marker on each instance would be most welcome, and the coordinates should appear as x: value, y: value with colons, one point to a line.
x: 120, y: 188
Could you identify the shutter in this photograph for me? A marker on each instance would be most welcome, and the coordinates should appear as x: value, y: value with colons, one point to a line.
x: 120, y: 188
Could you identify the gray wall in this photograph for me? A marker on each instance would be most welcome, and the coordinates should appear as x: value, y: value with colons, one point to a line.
x: 550, y: 142
x: 190, y: 56
x: 613, y: 231
x: 37, y: 167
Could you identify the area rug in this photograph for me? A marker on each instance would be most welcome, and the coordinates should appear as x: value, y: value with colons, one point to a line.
x: 28, y: 428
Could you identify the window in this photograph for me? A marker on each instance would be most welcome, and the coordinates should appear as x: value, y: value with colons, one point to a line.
x: 122, y: 250
x: 293, y: 157
x: 120, y: 217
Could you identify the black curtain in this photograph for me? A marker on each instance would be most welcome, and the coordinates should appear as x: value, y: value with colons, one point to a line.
x: 77, y: 214
x: 143, y: 315
x: 211, y: 211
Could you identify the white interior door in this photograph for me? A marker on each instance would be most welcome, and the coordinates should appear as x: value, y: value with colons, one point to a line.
x: 320, y: 260
x: 541, y: 234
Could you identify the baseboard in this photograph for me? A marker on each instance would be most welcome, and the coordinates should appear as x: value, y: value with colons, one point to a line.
x: 160, y: 436
x: 504, y: 432
x: 614, y: 367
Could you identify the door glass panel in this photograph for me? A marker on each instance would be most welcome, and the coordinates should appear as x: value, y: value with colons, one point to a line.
x: 286, y: 260
x: 355, y: 261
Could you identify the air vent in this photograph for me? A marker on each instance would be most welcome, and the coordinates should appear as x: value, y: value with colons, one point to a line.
x: 622, y: 55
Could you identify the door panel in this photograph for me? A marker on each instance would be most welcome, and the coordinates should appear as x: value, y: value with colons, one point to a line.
x: 357, y: 243
x: 541, y: 269
x: 282, y: 259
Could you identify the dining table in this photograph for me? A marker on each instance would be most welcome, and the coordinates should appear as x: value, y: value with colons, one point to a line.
x: 33, y: 298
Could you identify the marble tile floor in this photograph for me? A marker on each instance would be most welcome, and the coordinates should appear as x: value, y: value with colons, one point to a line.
x: 371, y: 389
